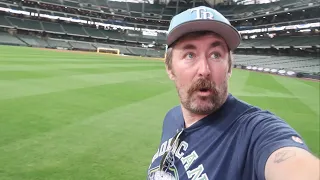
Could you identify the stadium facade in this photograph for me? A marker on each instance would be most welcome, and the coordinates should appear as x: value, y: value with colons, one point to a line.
x: 280, y: 37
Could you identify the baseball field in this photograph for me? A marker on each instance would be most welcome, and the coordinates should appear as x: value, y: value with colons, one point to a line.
x: 88, y: 116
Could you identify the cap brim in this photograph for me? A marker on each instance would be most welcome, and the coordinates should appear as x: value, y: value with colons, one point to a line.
x: 227, y: 32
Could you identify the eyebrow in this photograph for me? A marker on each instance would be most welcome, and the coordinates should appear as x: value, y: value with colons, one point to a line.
x: 212, y: 45
x: 189, y: 46
x: 217, y: 44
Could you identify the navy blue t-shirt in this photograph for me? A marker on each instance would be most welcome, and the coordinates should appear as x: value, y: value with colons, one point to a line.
x: 232, y: 143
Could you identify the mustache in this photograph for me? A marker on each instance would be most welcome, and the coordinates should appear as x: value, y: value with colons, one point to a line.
x: 202, y: 84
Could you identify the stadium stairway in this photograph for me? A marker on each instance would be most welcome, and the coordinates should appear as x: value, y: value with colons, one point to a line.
x: 8, y: 39
x: 137, y: 51
x: 58, y: 43
x: 33, y: 41
x: 22, y: 40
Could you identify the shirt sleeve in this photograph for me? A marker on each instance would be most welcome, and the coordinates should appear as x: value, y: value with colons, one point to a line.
x: 270, y: 134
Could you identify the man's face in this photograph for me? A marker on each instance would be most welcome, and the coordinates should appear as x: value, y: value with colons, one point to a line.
x: 200, y: 70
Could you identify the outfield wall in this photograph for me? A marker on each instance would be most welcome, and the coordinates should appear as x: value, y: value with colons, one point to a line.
x: 281, y: 72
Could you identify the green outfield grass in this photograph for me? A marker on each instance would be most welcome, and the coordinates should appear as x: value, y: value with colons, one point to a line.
x: 66, y: 115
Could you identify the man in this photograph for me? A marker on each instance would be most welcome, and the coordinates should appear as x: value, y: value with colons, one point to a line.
x: 213, y: 135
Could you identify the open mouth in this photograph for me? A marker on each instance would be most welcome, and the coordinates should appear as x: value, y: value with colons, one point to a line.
x: 204, y: 90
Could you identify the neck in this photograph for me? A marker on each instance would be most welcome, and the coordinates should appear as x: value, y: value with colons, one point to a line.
x: 190, y: 118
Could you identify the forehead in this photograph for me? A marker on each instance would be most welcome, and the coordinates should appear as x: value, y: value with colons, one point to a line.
x: 200, y: 36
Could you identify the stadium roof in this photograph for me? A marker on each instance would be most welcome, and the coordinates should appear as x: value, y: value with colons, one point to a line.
x: 254, y: 1
x: 135, y: 1
x: 214, y: 2
x: 210, y: 2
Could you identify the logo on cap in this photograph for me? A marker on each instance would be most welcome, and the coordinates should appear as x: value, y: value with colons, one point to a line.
x: 202, y: 13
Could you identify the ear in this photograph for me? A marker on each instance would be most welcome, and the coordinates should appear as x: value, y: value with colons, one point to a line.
x: 170, y: 73
x: 230, y: 65
x: 230, y: 73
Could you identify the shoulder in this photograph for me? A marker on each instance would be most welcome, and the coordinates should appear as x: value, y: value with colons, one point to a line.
x: 245, y: 113
x: 173, y: 119
x: 174, y: 111
x: 173, y: 114
x: 267, y: 133
x: 263, y: 125
x: 253, y: 116
x: 259, y: 119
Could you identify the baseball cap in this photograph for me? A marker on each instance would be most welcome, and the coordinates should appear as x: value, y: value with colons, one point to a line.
x: 202, y: 18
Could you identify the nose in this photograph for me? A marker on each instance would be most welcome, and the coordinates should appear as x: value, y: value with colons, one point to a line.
x: 204, y: 68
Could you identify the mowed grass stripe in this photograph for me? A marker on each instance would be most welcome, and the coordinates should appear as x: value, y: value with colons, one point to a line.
x: 115, y: 144
x: 72, y: 66
x: 312, y: 84
x: 238, y: 80
x: 78, y: 59
x: 266, y: 95
x: 27, y: 87
x: 281, y: 106
x: 49, y: 61
x: 27, y: 54
x: 35, y: 74
x: 261, y: 82
x: 41, y: 113
x: 308, y: 95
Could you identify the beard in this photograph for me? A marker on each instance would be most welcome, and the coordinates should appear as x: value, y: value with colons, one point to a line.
x: 196, y: 103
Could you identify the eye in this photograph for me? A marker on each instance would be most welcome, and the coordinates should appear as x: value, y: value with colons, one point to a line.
x: 215, y: 55
x: 190, y: 55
